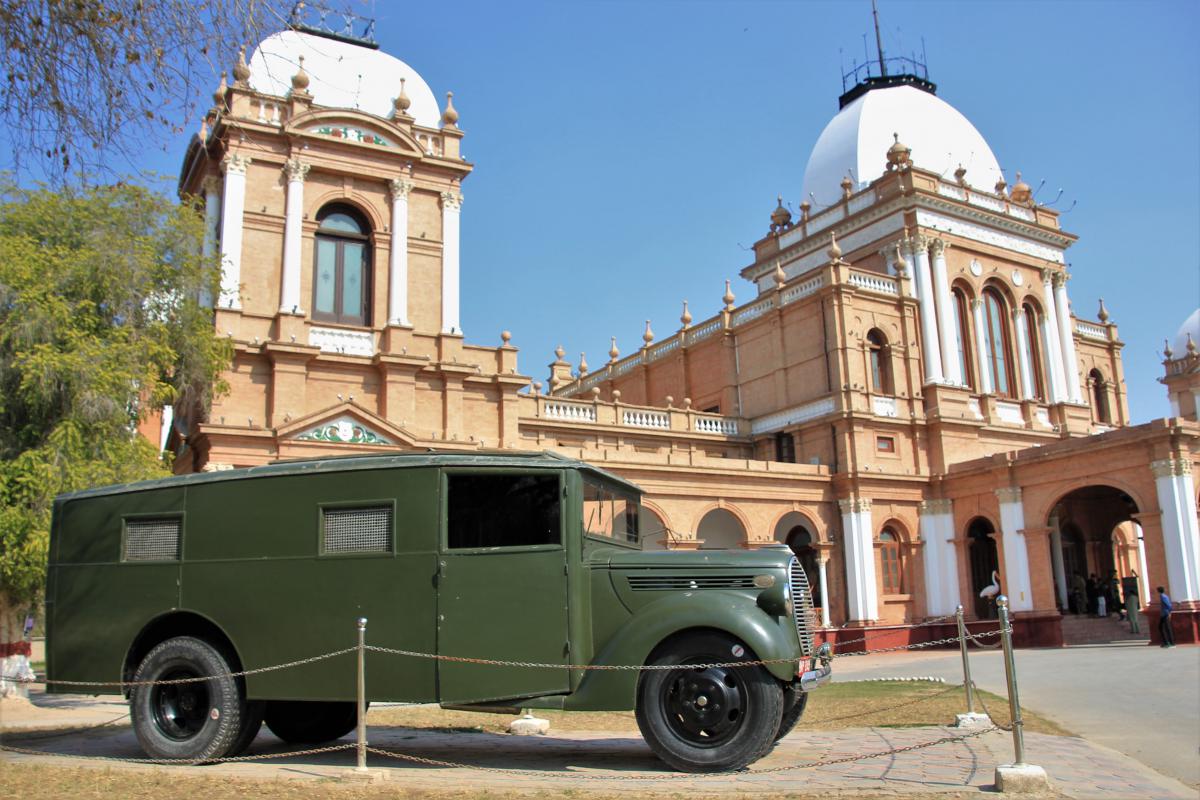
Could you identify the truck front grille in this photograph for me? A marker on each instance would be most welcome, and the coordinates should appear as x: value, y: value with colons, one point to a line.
x: 802, y: 607
x: 662, y: 583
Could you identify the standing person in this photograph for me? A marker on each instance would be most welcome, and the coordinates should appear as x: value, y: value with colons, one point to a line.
x: 1133, y: 602
x: 1102, y: 598
x: 1079, y: 594
x: 1164, y: 619
x: 1091, y: 593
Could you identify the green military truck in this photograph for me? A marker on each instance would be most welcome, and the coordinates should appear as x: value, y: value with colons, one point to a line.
x: 500, y: 556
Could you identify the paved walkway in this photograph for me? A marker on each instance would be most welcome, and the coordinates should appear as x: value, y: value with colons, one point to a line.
x: 1143, y: 701
x: 621, y: 763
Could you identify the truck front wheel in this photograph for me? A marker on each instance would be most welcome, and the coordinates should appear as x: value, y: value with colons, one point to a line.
x: 195, y: 720
x: 310, y: 721
x: 713, y: 719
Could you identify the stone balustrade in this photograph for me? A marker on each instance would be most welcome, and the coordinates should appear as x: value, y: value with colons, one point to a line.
x: 621, y: 415
x: 1091, y: 330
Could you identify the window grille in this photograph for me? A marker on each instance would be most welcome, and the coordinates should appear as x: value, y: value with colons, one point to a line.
x: 357, y: 530
x: 152, y: 540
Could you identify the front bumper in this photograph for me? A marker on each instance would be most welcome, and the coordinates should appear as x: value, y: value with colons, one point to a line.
x: 820, y: 671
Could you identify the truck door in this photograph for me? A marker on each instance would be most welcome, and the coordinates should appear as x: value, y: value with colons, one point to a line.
x: 502, y: 584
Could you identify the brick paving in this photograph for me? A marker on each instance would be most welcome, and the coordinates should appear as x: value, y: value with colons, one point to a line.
x: 621, y: 763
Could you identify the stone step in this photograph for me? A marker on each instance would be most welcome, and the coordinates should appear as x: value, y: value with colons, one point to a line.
x: 1100, y: 630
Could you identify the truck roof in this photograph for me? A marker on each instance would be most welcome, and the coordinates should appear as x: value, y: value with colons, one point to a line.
x: 363, y: 461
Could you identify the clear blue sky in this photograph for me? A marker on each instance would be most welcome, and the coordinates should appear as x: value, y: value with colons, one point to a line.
x: 627, y: 153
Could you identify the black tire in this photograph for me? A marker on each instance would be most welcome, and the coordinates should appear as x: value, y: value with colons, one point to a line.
x: 310, y: 721
x: 251, y: 724
x: 708, y: 720
x: 792, y: 715
x: 199, y: 720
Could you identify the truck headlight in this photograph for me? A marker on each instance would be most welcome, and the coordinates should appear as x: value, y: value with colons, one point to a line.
x: 777, y: 600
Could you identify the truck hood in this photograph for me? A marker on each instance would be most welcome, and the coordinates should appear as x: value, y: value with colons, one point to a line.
x: 763, y: 558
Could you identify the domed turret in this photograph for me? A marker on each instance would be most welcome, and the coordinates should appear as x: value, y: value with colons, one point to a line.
x: 781, y: 218
x: 1021, y: 193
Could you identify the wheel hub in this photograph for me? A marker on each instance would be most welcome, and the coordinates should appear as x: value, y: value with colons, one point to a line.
x: 705, y: 706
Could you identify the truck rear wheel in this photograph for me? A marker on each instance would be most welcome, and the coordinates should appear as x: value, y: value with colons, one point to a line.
x: 194, y: 720
x: 714, y: 719
x: 310, y: 721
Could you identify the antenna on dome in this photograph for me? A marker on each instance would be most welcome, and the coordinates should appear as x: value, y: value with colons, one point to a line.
x: 878, y: 41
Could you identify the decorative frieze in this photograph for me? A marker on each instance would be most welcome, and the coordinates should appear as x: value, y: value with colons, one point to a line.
x: 343, y: 430
x: 979, y: 233
x: 336, y: 340
x: 935, y: 506
x: 854, y: 505
x: 1170, y: 467
x: 1009, y: 494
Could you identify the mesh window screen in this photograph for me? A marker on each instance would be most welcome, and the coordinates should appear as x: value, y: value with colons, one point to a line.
x: 151, y: 540
x: 358, y: 530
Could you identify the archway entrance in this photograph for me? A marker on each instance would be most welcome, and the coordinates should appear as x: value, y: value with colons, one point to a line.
x: 1087, y: 551
x: 985, y: 566
x: 720, y: 530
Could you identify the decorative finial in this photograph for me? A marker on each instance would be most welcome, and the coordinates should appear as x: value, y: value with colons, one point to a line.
x: 805, y: 207
x: 899, y: 155
x: 901, y: 264
x: 1021, y: 192
x: 559, y: 352
x: 241, y: 70
x: 648, y: 336
x: 1001, y: 186
x: 835, y: 250
x: 219, y: 94
x: 960, y: 174
x: 728, y: 298
x: 613, y: 352
x: 1103, y: 315
x: 402, y: 101
x: 505, y: 337
x: 583, y: 365
x: 781, y: 218
x: 686, y: 316
x: 300, y: 79
x: 779, y: 275
x: 847, y: 187
x: 450, y: 115
x: 1167, y: 351
x: 537, y: 387
x: 1191, y: 346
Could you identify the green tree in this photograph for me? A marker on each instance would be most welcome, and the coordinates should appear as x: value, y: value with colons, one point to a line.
x: 99, y: 325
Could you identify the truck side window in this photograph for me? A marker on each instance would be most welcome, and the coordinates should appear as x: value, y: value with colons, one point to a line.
x: 502, y: 510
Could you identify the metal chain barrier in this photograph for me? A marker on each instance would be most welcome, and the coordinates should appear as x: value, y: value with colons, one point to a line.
x: 978, y: 696
x: 933, y: 621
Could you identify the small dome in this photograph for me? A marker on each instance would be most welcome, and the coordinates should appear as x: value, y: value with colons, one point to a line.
x: 341, y: 75
x: 1021, y: 192
x: 939, y: 137
x: 1190, y: 325
x: 780, y: 217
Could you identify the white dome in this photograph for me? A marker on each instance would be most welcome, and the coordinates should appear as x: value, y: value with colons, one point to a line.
x: 1190, y: 325
x: 342, y: 75
x: 857, y: 138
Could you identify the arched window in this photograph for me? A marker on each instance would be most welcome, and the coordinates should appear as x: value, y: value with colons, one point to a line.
x: 999, y: 343
x: 342, y: 268
x: 1033, y: 352
x: 890, y: 554
x: 1099, y: 397
x: 962, y: 337
x: 881, y: 363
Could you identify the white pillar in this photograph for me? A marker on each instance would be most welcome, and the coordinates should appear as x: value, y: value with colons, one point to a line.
x: 1062, y: 309
x: 1181, y: 539
x: 940, y: 557
x: 1050, y: 333
x: 1023, y: 353
x: 398, y: 261
x: 232, y: 206
x: 1060, y: 572
x: 212, y: 222
x: 862, y: 596
x: 927, y: 310
x: 822, y: 560
x: 1143, y: 581
x: 1016, y: 558
x: 293, y: 231
x: 981, y: 349
x: 451, y: 209
x: 946, y: 312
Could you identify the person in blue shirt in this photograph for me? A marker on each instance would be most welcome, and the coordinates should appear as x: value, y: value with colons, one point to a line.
x: 1164, y: 619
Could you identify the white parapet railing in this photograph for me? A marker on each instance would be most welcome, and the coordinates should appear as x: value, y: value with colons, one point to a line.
x: 792, y: 416
x: 703, y: 330
x: 641, y: 418
x: 753, y: 311
x: 1009, y: 412
x: 710, y: 424
x: 1089, y: 330
x: 569, y: 412
x: 874, y: 283
x: 624, y: 366
x: 803, y: 289
x: 884, y: 406
x: 662, y: 348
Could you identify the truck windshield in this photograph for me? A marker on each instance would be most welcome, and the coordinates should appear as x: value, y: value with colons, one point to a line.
x: 609, y: 512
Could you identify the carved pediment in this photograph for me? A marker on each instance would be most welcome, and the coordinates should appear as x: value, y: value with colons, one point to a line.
x: 343, y: 430
x: 346, y: 423
x: 354, y: 127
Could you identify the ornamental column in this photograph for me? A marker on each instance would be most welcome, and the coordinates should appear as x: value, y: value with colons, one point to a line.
x: 1050, y: 334
x: 862, y: 596
x: 940, y: 560
x: 1016, y: 557
x: 945, y: 314
x: 212, y: 222
x: 451, y: 208
x: 823, y: 580
x: 289, y: 286
x: 1056, y: 560
x: 1181, y: 539
x: 927, y: 310
x: 1062, y: 309
x: 398, y: 259
x: 1023, y: 351
x: 232, y: 207
x: 982, y: 356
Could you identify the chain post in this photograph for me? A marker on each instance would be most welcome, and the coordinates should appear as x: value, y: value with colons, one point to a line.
x: 962, y: 643
x: 361, y: 732
x: 1010, y: 675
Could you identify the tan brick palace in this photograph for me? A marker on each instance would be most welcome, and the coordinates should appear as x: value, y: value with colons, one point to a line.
x: 902, y: 393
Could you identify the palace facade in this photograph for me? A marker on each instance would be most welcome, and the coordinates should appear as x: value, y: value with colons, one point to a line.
x: 903, y: 395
